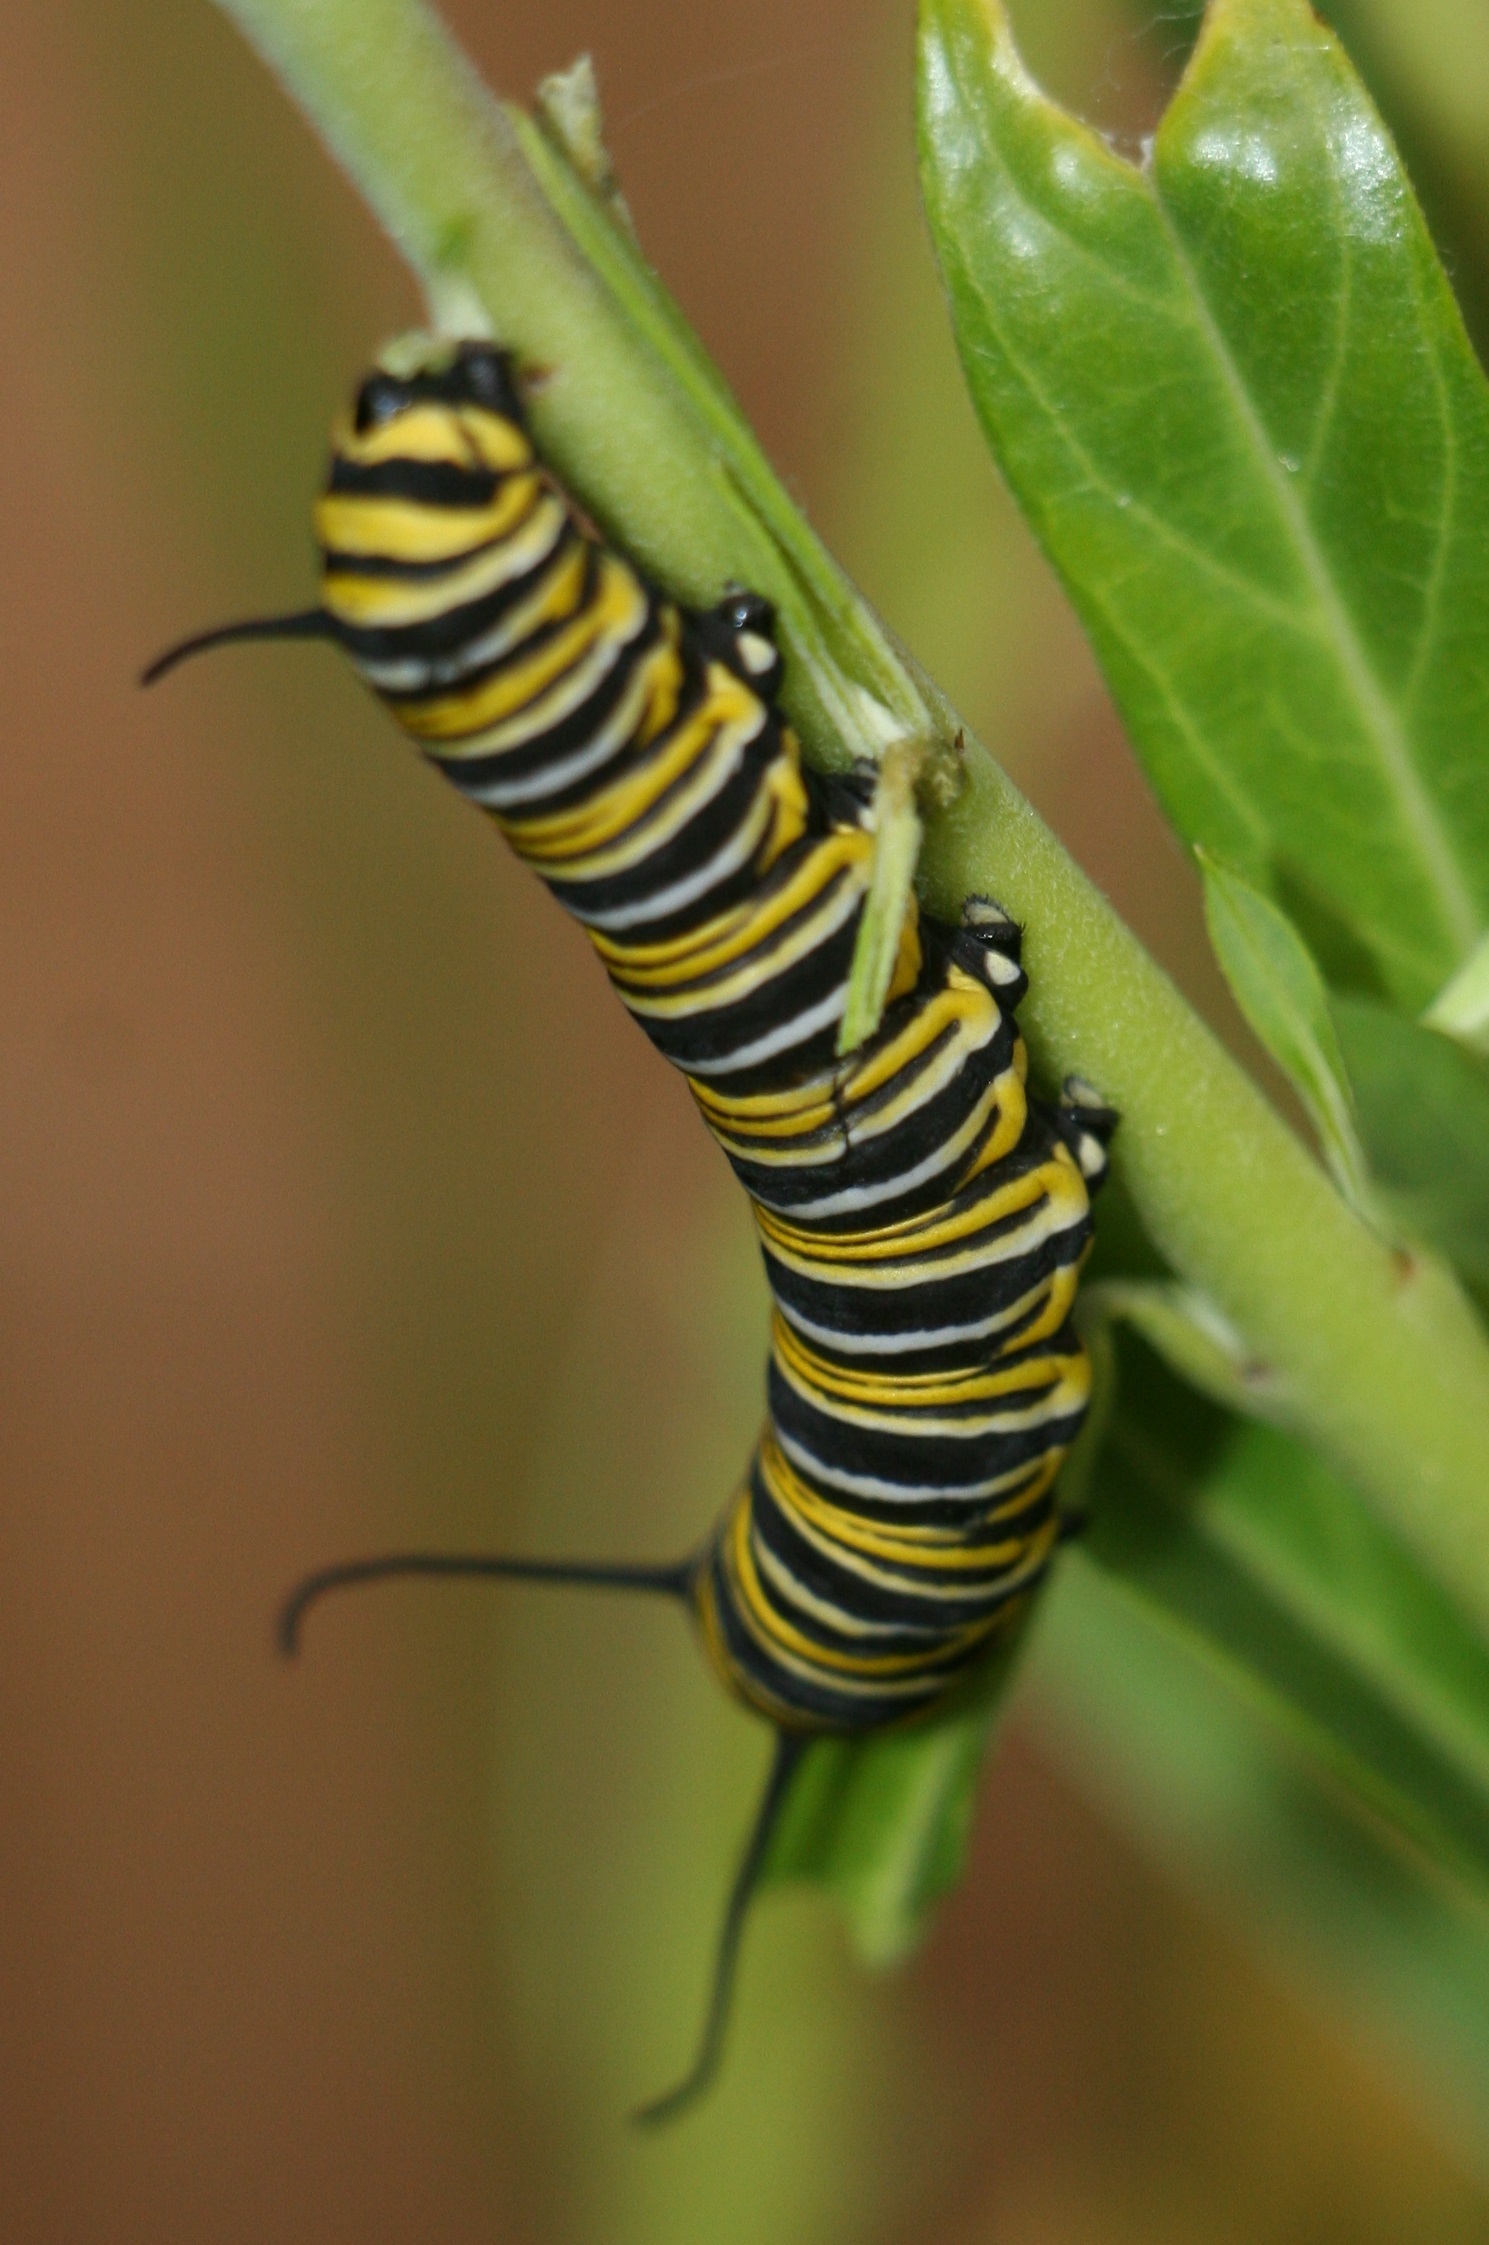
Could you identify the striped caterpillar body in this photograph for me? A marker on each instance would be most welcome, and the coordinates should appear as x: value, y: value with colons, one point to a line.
x: 922, y: 1218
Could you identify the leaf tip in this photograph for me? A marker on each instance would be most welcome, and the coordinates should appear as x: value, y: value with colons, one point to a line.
x: 983, y: 22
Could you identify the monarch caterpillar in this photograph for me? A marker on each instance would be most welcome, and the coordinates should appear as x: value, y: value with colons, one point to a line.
x: 922, y: 1218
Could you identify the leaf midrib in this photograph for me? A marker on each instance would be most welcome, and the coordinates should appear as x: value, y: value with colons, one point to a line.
x: 1456, y: 1753
x: 1321, y: 629
x: 1461, y: 917
x: 1398, y: 1674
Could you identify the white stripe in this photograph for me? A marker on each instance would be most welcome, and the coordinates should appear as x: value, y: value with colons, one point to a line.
x: 414, y: 675
x: 551, y: 779
x: 777, y: 953
x: 795, y: 1593
x: 929, y: 1264
x: 928, y: 1337
x: 909, y: 1493
x: 734, y: 853
x: 869, y: 1196
x: 793, y: 1032
x: 569, y: 691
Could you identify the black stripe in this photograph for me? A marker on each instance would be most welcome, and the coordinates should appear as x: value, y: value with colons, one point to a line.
x: 440, y: 636
x: 701, y: 1038
x: 819, y: 1700
x: 427, y: 483
x: 922, y: 1600
x: 715, y: 824
x: 862, y: 1163
x: 571, y: 734
x: 542, y: 635
x: 396, y: 571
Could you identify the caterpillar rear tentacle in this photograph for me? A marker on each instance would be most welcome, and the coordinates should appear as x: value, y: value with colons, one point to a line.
x: 922, y: 1217
x: 789, y: 1748
x: 675, y: 1581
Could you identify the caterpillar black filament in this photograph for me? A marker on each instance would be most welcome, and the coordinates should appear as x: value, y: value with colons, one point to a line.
x: 922, y: 1219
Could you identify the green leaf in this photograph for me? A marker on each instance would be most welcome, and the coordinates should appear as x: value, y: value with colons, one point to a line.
x: 1242, y: 1544
x: 1423, y: 1105
x: 1281, y: 992
x: 1233, y: 394
x: 1461, y: 1007
x: 881, y: 1823
x: 897, y: 831
x: 1228, y: 1805
x: 1193, y: 1338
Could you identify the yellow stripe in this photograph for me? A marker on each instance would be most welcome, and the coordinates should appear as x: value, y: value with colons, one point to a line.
x: 972, y: 1013
x: 465, y: 436
x: 613, y: 614
x: 788, y: 798
x: 754, y: 973
x: 910, y: 957
x: 556, y: 595
x: 410, y: 530
x: 818, y: 1376
x: 1057, y: 1180
x: 779, y: 1635
x: 933, y: 1576
x: 803, y: 1109
x: 648, y: 700
x: 656, y: 828
x: 817, y: 1138
x: 589, y: 827
x: 1013, y: 1114
x: 789, y: 791
x: 395, y: 603
x: 1017, y: 1413
x: 754, y: 1693
x: 719, y: 942
x: 905, y: 1542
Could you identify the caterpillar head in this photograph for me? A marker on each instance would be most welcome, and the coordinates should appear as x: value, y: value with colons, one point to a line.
x: 423, y: 369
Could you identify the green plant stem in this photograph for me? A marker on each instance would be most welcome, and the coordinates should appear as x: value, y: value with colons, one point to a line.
x: 656, y: 445
x: 441, y: 165
x: 1379, y: 1358
x: 1380, y: 1361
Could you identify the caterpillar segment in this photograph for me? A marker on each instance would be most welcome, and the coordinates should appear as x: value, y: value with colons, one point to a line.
x: 922, y: 1218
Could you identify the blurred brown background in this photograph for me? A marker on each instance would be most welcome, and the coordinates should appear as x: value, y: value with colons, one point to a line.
x: 340, y: 1206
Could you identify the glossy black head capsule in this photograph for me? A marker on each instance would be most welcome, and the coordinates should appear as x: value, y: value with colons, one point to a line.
x: 468, y: 374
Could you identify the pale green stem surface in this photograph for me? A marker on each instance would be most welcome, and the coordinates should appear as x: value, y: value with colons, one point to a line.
x: 1383, y: 1364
